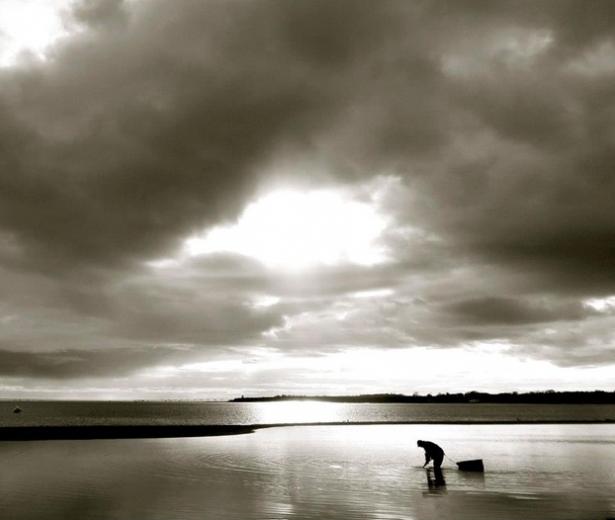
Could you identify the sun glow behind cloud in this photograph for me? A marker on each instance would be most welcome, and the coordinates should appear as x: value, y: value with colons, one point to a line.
x: 364, y: 370
x: 601, y: 304
x: 144, y: 125
x: 295, y: 230
x: 29, y: 27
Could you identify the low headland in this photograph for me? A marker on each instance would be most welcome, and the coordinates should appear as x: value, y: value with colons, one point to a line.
x: 544, y: 397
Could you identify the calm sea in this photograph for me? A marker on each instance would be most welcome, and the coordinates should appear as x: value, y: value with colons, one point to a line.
x: 80, y: 412
x: 349, y: 472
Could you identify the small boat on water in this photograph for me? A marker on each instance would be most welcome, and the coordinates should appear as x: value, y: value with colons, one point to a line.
x: 471, y: 465
x: 17, y: 410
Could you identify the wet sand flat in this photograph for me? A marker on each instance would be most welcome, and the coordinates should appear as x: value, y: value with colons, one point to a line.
x: 32, y: 433
x: 142, y: 431
x: 553, y: 471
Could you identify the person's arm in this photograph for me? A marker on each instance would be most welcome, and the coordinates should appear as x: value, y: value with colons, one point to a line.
x: 427, y: 459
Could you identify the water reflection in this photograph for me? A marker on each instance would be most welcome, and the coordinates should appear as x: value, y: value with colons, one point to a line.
x: 435, y: 481
x: 79, y: 412
x: 298, y: 412
x: 349, y: 472
x: 471, y: 479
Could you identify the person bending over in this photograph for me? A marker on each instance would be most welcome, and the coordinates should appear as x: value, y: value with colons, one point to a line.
x: 432, y: 452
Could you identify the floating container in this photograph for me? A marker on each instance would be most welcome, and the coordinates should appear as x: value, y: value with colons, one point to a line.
x: 471, y: 465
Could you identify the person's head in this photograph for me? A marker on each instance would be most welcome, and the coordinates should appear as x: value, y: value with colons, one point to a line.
x: 419, y: 444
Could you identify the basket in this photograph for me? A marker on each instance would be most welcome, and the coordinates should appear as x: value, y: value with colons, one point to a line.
x: 471, y: 465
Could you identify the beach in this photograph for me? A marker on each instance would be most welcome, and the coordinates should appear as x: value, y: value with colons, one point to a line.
x: 354, y: 471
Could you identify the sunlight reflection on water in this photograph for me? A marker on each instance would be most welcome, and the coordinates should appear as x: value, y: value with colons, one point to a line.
x: 298, y: 412
x: 536, y: 472
x: 78, y: 413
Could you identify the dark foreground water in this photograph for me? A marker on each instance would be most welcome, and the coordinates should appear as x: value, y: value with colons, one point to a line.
x: 76, y: 413
x: 316, y: 472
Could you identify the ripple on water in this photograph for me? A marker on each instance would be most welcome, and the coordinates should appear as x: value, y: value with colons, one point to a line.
x: 314, y: 472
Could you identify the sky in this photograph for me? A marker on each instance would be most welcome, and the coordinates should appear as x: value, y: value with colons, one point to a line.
x: 204, y: 199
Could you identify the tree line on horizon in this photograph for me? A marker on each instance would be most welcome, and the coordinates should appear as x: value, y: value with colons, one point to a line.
x: 536, y: 397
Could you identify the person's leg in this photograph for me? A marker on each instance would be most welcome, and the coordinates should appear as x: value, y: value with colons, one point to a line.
x: 437, y: 463
x: 439, y: 477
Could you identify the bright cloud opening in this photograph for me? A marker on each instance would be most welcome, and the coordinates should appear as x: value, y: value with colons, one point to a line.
x: 265, y: 301
x: 601, y: 304
x: 29, y: 26
x: 362, y: 370
x: 294, y: 230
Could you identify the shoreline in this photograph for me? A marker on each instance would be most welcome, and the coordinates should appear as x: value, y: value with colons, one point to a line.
x: 91, y: 432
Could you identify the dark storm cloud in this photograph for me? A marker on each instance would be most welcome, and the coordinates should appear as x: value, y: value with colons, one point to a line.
x: 96, y: 13
x: 157, y: 119
x: 69, y: 364
x: 140, y: 132
x: 511, y: 311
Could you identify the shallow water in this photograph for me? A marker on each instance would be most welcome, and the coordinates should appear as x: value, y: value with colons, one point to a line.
x: 349, y: 472
x: 76, y: 412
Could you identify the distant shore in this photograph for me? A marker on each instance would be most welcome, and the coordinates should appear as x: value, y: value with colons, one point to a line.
x: 540, y: 397
x: 40, y: 433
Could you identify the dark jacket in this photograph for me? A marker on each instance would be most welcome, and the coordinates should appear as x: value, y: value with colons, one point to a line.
x: 432, y: 452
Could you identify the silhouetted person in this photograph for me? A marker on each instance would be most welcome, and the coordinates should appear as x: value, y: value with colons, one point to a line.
x: 432, y: 452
